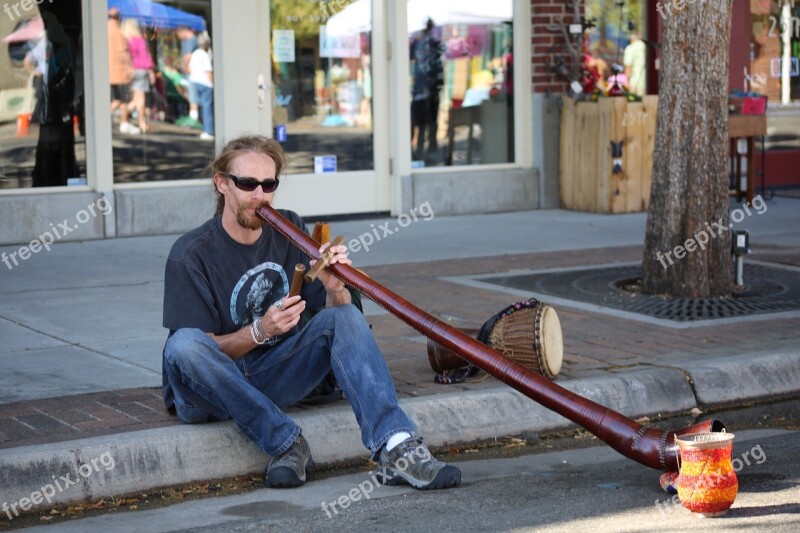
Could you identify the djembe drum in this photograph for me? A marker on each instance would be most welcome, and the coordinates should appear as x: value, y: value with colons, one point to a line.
x: 527, y: 332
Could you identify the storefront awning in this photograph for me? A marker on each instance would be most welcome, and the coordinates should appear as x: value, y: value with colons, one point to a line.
x: 357, y: 16
x: 153, y: 14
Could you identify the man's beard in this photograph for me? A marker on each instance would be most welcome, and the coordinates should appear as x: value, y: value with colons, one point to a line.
x: 248, y: 221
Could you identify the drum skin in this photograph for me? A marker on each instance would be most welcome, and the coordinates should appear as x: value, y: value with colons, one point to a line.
x: 532, y: 337
x: 552, y: 341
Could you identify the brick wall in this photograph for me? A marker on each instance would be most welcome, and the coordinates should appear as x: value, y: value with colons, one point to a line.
x: 766, y: 46
x: 544, y: 13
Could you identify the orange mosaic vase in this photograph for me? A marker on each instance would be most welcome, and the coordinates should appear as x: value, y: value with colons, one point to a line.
x: 707, y: 483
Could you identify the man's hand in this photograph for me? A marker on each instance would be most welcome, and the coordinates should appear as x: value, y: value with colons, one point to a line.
x: 332, y: 283
x: 279, y: 320
x: 337, y: 293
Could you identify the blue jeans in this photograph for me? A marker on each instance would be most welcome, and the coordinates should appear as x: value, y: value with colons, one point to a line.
x: 253, y: 389
x: 205, y: 99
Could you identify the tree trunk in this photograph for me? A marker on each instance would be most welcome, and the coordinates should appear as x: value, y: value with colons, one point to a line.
x: 689, y: 191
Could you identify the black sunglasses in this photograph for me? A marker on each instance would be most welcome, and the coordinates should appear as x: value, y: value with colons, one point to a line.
x: 250, y: 184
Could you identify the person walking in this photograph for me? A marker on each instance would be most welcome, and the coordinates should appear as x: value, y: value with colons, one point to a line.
x: 120, y: 72
x: 188, y: 39
x: 201, y: 77
x: 426, y: 52
x: 635, y: 61
x: 144, y: 74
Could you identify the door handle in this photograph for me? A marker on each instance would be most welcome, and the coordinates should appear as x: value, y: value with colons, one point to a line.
x: 262, y: 91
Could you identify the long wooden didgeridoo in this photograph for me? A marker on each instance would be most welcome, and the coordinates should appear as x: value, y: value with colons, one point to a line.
x: 650, y: 447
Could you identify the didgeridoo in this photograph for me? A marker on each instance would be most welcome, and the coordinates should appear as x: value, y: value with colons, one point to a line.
x: 648, y: 446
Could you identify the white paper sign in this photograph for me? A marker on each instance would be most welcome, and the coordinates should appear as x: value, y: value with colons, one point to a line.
x: 283, y: 45
x: 324, y: 164
x: 338, y: 45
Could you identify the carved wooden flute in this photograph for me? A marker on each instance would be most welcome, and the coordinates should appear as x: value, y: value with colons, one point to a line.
x: 297, y: 279
x: 648, y: 446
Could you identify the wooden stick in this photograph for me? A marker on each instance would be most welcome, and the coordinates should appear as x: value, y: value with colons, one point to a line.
x: 323, y: 261
x: 297, y: 279
x: 322, y: 232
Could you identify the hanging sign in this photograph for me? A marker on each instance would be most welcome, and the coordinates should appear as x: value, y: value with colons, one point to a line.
x: 283, y: 45
x: 324, y: 164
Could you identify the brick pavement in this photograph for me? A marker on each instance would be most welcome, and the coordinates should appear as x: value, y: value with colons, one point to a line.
x: 593, y: 343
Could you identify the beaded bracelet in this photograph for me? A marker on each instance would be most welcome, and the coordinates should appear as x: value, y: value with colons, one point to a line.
x: 256, y: 334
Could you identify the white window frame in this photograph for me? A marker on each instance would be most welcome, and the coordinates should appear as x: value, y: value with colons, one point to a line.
x: 401, y: 114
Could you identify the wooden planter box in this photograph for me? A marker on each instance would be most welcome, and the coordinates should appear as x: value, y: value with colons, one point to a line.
x: 588, y: 182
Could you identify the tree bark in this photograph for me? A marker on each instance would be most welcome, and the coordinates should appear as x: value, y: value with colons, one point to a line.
x: 689, y: 191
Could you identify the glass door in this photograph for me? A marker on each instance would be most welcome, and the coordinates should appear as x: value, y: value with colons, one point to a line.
x: 323, y: 96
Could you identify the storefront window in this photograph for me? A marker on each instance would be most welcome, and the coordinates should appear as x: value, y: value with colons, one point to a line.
x: 162, y: 89
x: 775, y: 69
x: 617, y: 44
x: 42, y: 142
x: 322, y: 83
x: 462, y: 85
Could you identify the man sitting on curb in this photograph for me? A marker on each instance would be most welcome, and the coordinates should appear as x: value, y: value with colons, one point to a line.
x: 236, y: 350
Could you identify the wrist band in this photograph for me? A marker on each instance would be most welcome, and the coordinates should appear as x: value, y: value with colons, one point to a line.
x: 256, y: 334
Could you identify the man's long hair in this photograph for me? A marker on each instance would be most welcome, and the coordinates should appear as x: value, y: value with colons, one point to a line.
x: 246, y: 143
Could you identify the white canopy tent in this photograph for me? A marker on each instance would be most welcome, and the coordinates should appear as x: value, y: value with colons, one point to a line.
x: 354, y: 19
x: 357, y: 16
x: 458, y: 12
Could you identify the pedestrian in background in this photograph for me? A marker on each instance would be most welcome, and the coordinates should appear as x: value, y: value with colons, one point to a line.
x: 201, y: 77
x: 120, y: 72
x: 188, y: 45
x: 635, y: 60
x: 426, y: 52
x: 144, y: 75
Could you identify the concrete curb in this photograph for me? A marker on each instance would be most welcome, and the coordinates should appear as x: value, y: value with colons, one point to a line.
x: 146, y: 459
x: 744, y: 378
x: 143, y: 460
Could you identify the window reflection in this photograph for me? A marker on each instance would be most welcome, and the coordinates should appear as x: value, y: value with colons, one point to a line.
x: 774, y: 71
x: 322, y: 80
x: 462, y: 73
x: 41, y: 96
x: 616, y: 40
x: 162, y: 89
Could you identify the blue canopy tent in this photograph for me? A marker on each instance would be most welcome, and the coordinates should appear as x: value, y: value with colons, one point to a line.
x: 156, y: 15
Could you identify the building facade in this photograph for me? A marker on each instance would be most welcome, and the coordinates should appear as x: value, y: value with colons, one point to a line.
x: 381, y: 105
x: 352, y: 88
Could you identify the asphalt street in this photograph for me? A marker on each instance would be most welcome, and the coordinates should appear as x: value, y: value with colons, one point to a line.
x: 591, y: 489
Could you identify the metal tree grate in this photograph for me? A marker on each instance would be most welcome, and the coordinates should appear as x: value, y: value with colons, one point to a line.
x: 768, y: 290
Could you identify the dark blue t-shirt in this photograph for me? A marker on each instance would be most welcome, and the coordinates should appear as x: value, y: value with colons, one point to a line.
x: 218, y: 285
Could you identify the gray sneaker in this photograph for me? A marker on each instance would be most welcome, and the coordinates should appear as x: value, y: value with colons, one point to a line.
x: 289, y: 469
x: 411, y: 462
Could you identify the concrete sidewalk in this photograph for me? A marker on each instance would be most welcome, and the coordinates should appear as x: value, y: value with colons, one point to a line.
x: 82, y: 356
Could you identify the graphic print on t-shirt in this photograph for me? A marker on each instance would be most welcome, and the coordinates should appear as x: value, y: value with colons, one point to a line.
x: 256, y: 290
